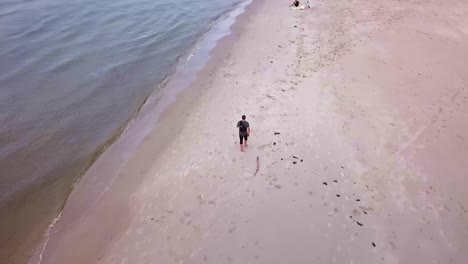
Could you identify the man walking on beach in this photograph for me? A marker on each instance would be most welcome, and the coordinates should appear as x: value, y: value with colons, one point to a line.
x: 244, y: 132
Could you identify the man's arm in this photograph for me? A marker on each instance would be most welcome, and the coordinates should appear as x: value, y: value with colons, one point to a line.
x: 248, y: 131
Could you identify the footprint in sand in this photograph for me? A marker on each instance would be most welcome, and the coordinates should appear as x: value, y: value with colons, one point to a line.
x: 233, y: 228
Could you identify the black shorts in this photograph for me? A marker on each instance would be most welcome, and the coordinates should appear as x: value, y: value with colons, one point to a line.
x: 242, y: 138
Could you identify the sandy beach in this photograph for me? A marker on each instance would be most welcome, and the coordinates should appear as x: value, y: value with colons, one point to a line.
x: 358, y: 111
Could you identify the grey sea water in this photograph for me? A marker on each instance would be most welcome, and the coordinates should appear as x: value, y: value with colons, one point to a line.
x: 72, y: 74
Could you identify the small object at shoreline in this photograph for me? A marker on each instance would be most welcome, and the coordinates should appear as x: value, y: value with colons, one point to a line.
x: 294, y: 157
x: 338, y: 195
x: 358, y: 223
x: 335, y: 181
x: 373, y: 244
x: 274, y: 143
x: 358, y: 200
x: 302, y: 160
x: 258, y: 165
x: 294, y: 162
x: 324, y: 183
x: 277, y: 133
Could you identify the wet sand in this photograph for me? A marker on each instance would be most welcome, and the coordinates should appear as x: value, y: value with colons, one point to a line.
x: 358, y: 115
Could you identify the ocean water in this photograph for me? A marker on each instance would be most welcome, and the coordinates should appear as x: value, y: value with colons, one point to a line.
x: 72, y: 74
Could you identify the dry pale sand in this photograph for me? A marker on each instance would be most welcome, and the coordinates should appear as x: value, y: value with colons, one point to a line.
x: 370, y: 100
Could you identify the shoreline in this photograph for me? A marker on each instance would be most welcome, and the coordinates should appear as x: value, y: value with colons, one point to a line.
x: 148, y: 110
x: 33, y: 239
x: 329, y: 82
x: 44, y: 168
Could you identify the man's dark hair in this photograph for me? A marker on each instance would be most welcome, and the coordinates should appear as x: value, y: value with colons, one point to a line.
x: 243, y: 117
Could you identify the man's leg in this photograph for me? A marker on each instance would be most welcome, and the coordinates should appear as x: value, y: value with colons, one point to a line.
x: 241, y: 143
x: 245, y: 138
